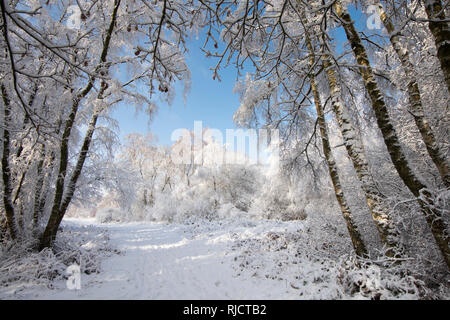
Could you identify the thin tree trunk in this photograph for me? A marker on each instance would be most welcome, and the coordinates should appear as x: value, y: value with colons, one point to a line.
x: 415, y: 102
x: 38, y: 187
x: 6, y: 170
x: 56, y: 221
x: 439, y: 27
x: 50, y: 230
x: 60, y: 205
x: 45, y: 189
x: 145, y: 197
x: 355, y: 236
x: 26, y: 119
x: 80, y: 163
x: 433, y: 216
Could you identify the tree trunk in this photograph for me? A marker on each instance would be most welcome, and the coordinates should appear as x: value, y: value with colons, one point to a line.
x: 145, y: 197
x: 47, y: 179
x: 80, y: 162
x: 415, y: 106
x: 38, y: 187
x: 60, y: 205
x: 355, y: 149
x: 439, y: 27
x: 6, y: 170
x: 433, y: 216
x: 52, y: 225
x: 355, y: 236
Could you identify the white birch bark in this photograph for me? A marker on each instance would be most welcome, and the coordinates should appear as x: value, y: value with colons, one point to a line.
x: 415, y: 102
x: 355, y: 235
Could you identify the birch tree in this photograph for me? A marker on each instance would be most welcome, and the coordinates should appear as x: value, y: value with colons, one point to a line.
x: 417, y: 187
x: 355, y: 150
x: 357, y: 240
x: 439, y: 27
x: 415, y: 101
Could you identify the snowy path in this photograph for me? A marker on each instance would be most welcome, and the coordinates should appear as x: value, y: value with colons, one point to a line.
x: 163, y: 261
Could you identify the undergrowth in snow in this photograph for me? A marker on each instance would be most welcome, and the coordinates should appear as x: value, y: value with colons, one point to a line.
x: 282, y: 251
x: 282, y: 256
x: 22, y: 267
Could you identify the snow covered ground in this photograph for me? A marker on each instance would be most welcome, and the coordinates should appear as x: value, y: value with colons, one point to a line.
x: 232, y: 259
x: 165, y: 261
x: 170, y: 261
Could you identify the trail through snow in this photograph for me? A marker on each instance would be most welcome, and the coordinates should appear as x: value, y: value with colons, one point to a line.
x: 170, y: 261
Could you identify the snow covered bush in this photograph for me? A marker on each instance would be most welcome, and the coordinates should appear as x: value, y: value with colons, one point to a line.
x: 284, y: 252
x: 229, y: 211
x: 384, y: 280
x: 21, y: 266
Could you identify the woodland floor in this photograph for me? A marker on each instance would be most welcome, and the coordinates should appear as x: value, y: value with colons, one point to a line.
x: 172, y: 261
x: 228, y: 259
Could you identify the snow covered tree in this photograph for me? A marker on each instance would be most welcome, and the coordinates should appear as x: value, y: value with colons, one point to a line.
x: 418, y: 188
x: 439, y: 26
x: 270, y: 38
x: 62, y: 71
x: 415, y: 105
x: 355, y: 235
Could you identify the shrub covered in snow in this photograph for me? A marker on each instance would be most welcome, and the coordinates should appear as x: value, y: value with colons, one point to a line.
x: 22, y: 267
x: 286, y: 255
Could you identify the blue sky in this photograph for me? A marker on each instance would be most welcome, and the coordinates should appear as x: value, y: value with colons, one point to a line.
x: 210, y: 101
